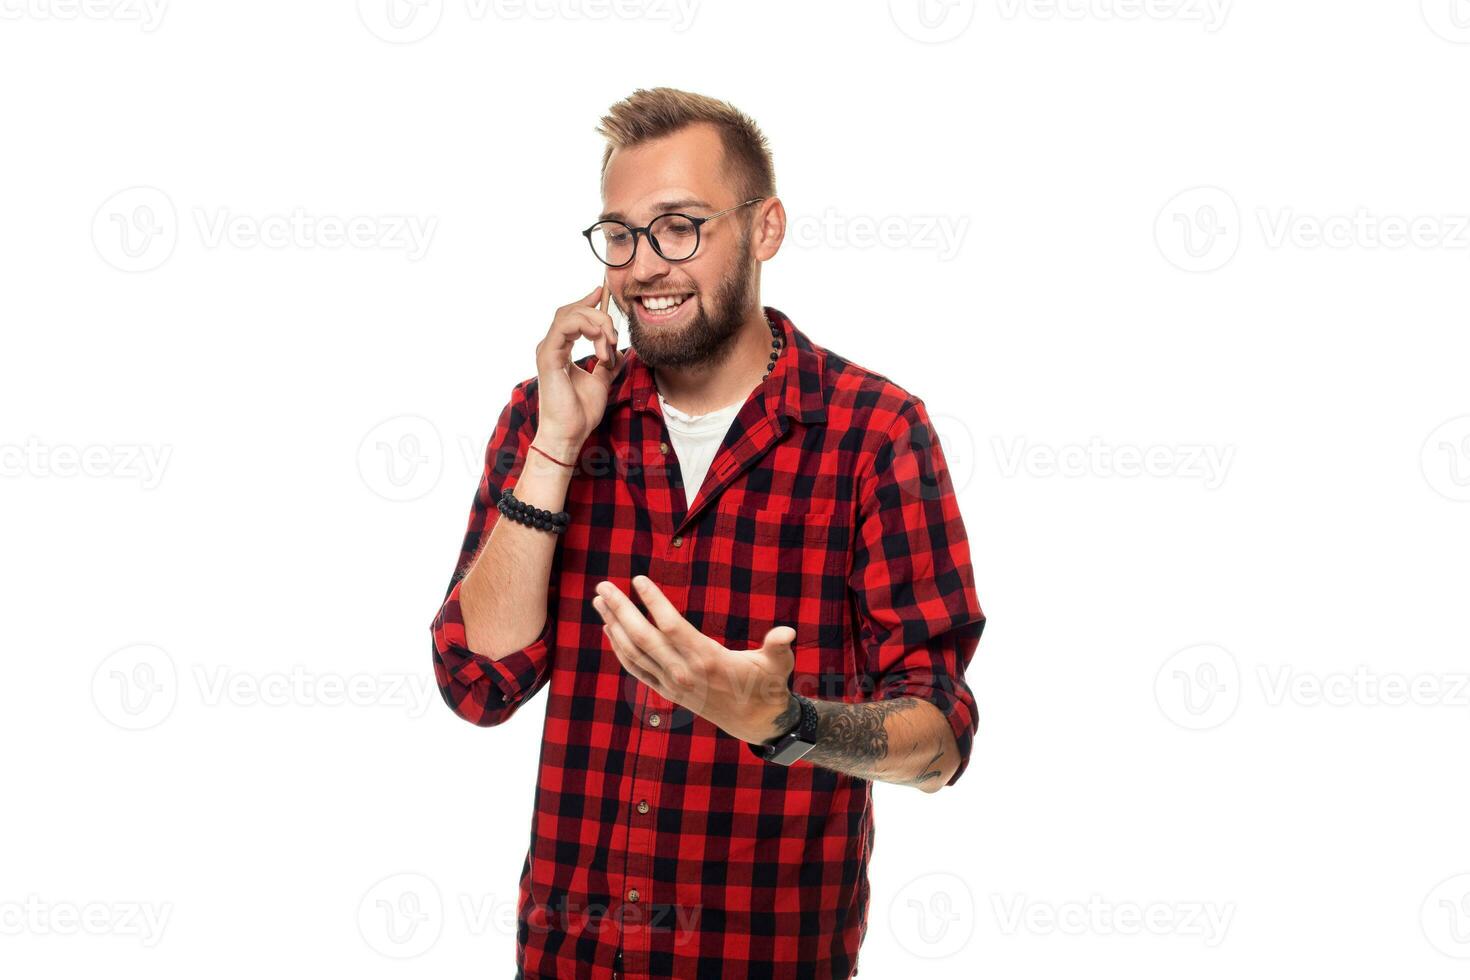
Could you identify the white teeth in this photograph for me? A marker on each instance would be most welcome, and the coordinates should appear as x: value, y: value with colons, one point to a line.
x: 661, y: 302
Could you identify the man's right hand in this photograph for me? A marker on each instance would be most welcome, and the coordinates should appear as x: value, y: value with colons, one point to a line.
x: 572, y: 401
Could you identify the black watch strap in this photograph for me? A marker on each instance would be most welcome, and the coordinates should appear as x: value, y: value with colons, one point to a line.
x: 797, y: 742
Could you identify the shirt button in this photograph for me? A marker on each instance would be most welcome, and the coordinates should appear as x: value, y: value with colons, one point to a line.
x: 642, y: 806
x: 678, y: 540
x: 654, y: 719
x: 663, y: 447
x: 632, y: 894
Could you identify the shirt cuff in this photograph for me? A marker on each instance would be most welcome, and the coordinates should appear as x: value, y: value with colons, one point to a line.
x: 512, y: 674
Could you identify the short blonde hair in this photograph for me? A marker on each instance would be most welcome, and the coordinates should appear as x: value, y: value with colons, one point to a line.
x: 648, y: 114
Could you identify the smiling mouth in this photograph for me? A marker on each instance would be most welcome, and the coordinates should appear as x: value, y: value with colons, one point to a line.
x: 663, y: 307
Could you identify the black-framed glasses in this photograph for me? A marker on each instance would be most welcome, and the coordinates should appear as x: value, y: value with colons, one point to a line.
x: 674, y: 236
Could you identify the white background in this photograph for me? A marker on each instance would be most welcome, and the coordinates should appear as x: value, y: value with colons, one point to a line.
x: 1195, y: 344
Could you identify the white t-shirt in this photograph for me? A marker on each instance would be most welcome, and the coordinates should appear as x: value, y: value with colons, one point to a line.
x: 696, y: 439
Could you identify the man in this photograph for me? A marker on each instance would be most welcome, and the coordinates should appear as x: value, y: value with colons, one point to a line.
x: 736, y: 560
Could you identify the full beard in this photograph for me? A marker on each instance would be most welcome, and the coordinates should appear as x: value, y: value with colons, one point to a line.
x: 709, y: 336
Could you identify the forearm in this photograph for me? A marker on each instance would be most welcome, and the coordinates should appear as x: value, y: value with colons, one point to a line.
x: 901, y: 740
x: 503, y: 595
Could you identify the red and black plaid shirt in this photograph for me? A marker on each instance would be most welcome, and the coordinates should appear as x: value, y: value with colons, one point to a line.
x: 828, y: 508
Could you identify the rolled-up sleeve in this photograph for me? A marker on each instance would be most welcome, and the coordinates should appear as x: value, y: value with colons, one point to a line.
x: 911, y: 580
x: 480, y: 689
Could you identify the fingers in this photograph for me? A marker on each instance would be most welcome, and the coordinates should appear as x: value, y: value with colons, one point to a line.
x: 633, y: 660
x: 605, y: 333
x: 572, y: 322
x: 665, y: 616
x: 617, y: 608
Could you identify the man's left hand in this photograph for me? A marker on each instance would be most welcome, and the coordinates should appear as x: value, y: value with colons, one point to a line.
x: 742, y: 692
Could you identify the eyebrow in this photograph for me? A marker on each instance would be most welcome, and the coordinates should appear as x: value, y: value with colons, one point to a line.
x: 661, y: 207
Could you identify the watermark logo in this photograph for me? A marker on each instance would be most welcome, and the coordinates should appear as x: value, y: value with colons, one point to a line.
x: 298, y: 687
x: 407, y: 21
x: 136, y: 229
x: 941, y: 234
x: 1201, y: 687
x: 1450, y: 19
x: 1205, y: 463
x: 402, y: 458
x: 136, y: 687
x: 35, y: 916
x: 932, y: 21
x: 1211, y: 14
x: 1445, y: 917
x: 1362, y: 688
x: 934, y: 915
x: 1198, y: 688
x: 956, y: 442
x: 1207, y: 922
x: 400, y: 21
x: 402, y: 916
x: 1445, y: 459
x: 1363, y: 229
x: 147, y: 14
x: 1198, y: 230
x: 128, y: 461
x: 139, y: 686
x: 406, y: 233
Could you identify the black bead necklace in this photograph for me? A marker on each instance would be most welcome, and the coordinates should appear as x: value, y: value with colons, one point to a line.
x: 776, y: 340
x: 775, y: 348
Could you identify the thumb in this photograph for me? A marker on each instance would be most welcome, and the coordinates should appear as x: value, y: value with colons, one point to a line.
x: 779, y: 636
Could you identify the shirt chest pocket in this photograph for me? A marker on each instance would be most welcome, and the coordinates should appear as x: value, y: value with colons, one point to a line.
x: 779, y: 566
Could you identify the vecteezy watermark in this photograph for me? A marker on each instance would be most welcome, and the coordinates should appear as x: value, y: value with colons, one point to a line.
x: 138, y: 687
x: 401, y: 916
x: 1207, y: 922
x: 220, y: 685
x: 1445, y: 917
x: 147, y: 14
x: 138, y: 229
x: 932, y: 21
x: 1450, y: 19
x: 402, y: 458
x: 1205, y: 463
x: 933, y: 916
x: 408, y: 233
x: 121, y: 461
x: 941, y: 234
x: 1361, y: 687
x: 1211, y: 14
x: 407, y: 21
x: 1198, y: 230
x: 35, y: 916
x: 405, y: 914
x: 1198, y: 687
x: 1445, y: 459
x: 1363, y: 229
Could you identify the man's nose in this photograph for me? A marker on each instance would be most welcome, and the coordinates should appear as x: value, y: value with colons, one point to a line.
x: 647, y: 264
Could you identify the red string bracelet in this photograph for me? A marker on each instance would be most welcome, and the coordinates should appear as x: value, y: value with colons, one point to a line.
x: 570, y: 466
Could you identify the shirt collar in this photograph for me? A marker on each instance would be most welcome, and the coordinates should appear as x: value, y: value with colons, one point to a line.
x: 797, y: 376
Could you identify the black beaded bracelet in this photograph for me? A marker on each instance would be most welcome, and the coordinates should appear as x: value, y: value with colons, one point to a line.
x: 524, y: 513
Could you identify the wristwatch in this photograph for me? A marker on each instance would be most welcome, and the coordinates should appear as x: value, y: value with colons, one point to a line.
x: 786, y: 749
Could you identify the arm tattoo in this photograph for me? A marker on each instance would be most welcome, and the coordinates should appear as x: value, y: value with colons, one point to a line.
x: 854, y: 739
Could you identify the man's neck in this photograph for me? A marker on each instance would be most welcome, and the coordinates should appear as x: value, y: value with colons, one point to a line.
x: 701, y: 388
